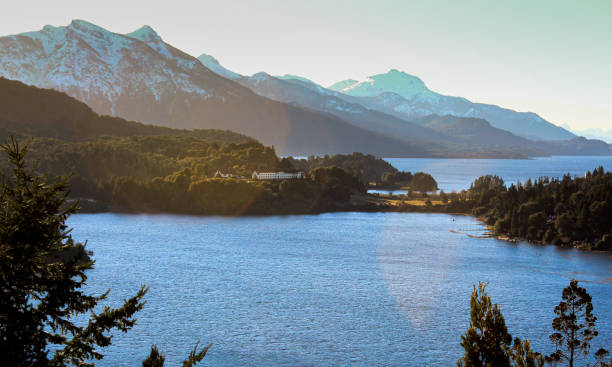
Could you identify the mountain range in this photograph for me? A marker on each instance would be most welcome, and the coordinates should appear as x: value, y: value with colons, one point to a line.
x: 594, y: 133
x: 469, y: 135
x: 139, y: 77
x: 406, y: 96
x: 27, y: 111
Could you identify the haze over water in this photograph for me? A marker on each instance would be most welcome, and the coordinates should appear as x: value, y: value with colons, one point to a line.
x: 457, y: 174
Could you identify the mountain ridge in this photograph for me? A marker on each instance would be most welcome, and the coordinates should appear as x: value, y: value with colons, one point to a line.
x: 139, y: 77
x: 214, y: 65
x: 27, y: 111
x: 457, y: 133
x: 406, y: 96
x: 153, y: 82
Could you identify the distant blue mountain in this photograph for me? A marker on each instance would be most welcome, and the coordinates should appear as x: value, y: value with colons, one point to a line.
x: 406, y: 96
x: 138, y: 76
x: 595, y: 133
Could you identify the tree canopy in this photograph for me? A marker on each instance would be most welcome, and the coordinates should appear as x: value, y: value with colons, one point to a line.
x: 42, y: 275
x: 487, y: 342
x: 574, y: 325
x: 570, y: 210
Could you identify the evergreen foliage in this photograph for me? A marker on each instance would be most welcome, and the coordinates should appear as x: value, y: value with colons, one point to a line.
x: 398, y: 178
x: 370, y: 170
x: 487, y: 342
x: 42, y: 273
x: 196, y: 355
x: 336, y: 182
x: 423, y: 182
x: 574, y: 325
x: 155, y: 358
x: 365, y: 167
x: 567, y: 211
x: 175, y: 174
x: 524, y: 356
x: 600, y: 356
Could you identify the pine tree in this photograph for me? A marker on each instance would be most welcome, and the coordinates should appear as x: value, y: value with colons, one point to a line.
x: 487, y: 342
x: 575, y: 325
x: 42, y: 275
x: 600, y: 356
x: 196, y: 355
x: 155, y: 358
x: 524, y: 356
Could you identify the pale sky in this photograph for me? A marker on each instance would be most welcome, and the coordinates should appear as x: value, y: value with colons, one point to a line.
x: 549, y: 57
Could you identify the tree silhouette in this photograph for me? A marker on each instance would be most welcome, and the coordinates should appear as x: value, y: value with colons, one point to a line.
x: 600, y: 355
x: 524, y: 356
x: 42, y: 273
x: 157, y: 359
x: 575, y: 325
x: 487, y: 341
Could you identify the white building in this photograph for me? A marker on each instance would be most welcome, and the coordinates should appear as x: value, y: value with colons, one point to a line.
x: 277, y: 175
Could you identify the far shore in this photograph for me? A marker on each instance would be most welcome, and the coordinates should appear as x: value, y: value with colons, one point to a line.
x: 367, y: 203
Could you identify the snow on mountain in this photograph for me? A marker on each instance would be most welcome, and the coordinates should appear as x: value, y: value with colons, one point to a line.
x: 98, y: 66
x: 407, y: 97
x: 298, y: 92
x: 214, y: 65
x: 405, y: 85
x: 370, y: 112
x: 342, y: 84
x: 139, y: 77
x: 309, y: 95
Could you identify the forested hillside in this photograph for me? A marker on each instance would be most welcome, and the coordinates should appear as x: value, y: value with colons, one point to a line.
x: 176, y: 174
x: 365, y: 166
x: 568, y: 211
x: 123, y: 165
x: 27, y: 111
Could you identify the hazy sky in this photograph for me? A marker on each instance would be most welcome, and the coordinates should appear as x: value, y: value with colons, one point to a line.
x: 550, y: 57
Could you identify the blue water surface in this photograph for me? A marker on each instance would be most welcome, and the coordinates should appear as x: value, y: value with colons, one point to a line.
x: 457, y: 174
x: 338, y: 289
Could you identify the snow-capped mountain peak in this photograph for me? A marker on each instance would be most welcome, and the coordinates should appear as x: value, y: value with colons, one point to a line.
x: 100, y: 67
x: 407, y: 97
x: 214, y: 65
x: 342, y: 84
x: 145, y: 34
x: 403, y: 84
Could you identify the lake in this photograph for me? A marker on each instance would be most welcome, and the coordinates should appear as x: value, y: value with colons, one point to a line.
x: 362, y: 289
x: 457, y: 174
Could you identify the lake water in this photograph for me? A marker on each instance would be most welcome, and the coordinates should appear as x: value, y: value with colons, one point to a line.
x: 457, y: 174
x: 362, y: 289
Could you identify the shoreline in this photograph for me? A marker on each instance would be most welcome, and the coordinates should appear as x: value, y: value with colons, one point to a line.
x: 377, y: 205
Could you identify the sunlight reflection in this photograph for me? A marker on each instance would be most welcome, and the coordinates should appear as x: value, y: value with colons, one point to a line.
x: 414, y: 283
